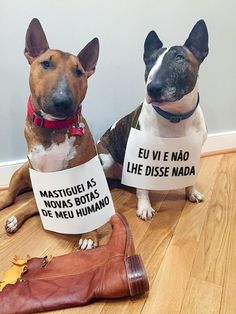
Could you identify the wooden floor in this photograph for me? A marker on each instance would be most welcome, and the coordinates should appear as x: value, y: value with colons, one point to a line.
x: 189, y: 250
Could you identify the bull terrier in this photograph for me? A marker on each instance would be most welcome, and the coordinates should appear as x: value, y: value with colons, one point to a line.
x: 170, y: 108
x: 57, y: 134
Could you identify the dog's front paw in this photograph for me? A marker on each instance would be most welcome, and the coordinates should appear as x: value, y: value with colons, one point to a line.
x: 194, y: 196
x: 87, y: 244
x: 11, y: 225
x: 145, y: 213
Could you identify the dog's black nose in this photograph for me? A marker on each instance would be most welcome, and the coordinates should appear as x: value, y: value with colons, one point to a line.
x: 62, y: 103
x: 154, y: 89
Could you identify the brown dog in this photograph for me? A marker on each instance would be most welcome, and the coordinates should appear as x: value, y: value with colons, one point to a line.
x: 57, y: 135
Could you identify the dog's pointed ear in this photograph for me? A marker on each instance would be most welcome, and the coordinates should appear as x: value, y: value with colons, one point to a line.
x: 151, y: 44
x: 35, y: 41
x: 88, y: 56
x: 197, y: 41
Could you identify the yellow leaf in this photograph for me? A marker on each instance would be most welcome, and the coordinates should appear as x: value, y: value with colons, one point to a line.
x: 11, y: 275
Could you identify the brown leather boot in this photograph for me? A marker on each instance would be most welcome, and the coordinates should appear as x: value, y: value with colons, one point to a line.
x: 110, y: 271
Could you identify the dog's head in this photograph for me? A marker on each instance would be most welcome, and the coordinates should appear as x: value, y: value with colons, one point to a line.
x: 58, y: 80
x: 172, y: 73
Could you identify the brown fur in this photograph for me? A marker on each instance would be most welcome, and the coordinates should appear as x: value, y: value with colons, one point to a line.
x: 114, y: 141
x: 43, y: 82
x: 42, y: 85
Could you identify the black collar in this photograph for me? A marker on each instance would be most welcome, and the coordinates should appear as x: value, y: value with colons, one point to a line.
x: 176, y: 118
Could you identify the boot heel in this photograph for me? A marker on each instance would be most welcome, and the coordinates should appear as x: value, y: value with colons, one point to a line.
x: 137, y: 277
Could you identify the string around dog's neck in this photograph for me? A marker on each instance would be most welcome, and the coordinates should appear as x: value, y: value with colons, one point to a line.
x: 176, y: 118
x: 72, y: 124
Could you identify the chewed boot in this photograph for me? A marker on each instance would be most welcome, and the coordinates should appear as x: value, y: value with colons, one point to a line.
x: 109, y: 271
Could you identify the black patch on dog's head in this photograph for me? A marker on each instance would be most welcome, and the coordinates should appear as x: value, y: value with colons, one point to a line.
x: 176, y: 76
x: 197, y: 41
x: 177, y: 72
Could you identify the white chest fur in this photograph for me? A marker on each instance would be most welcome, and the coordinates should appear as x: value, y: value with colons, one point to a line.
x: 151, y: 121
x: 53, y: 158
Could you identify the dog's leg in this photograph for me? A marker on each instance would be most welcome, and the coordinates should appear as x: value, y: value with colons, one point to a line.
x: 107, y: 161
x: 193, y: 195
x: 111, y: 168
x: 19, y: 181
x: 88, y: 240
x: 144, y: 208
x: 23, y: 212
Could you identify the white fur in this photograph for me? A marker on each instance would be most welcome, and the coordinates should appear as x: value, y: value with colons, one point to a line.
x: 107, y: 161
x: 114, y: 125
x: 86, y: 244
x: 156, y: 66
x: 150, y: 121
x: 53, y: 158
x: 144, y: 208
x: 193, y: 195
x: 11, y: 224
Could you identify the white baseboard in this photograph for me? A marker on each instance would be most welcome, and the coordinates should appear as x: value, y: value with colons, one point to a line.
x: 7, y: 169
x: 218, y: 142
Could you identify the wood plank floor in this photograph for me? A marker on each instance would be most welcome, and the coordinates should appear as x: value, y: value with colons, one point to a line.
x: 189, y: 250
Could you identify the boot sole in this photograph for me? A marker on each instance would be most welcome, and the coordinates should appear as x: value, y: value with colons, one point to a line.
x: 137, y: 277
x: 136, y: 274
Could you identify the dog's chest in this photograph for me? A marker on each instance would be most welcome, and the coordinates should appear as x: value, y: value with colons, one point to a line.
x: 53, y: 158
x: 151, y: 122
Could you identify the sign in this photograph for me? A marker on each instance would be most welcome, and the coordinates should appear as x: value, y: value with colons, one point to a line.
x: 157, y: 163
x: 75, y: 200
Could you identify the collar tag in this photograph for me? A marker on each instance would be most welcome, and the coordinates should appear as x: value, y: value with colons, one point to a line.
x: 77, y: 130
x: 175, y: 119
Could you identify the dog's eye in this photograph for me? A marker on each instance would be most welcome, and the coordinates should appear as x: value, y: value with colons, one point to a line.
x: 78, y: 72
x: 179, y: 57
x: 46, y: 64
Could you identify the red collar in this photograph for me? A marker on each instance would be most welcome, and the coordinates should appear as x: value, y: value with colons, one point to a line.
x: 75, y: 129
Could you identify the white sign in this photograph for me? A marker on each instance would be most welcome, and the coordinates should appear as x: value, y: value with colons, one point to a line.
x: 157, y: 163
x: 75, y: 200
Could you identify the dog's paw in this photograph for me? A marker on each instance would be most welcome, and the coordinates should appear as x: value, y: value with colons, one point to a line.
x: 87, y: 244
x: 195, y: 197
x: 145, y: 213
x: 11, y: 225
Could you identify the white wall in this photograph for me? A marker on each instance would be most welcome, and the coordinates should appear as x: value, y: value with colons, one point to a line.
x: 117, y: 86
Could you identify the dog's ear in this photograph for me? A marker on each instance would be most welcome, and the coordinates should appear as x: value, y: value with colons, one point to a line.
x: 151, y: 44
x: 35, y: 41
x: 197, y: 41
x: 88, y: 56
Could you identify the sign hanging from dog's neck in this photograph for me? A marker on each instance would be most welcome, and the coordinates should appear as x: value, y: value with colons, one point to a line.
x: 75, y: 200
x: 157, y: 163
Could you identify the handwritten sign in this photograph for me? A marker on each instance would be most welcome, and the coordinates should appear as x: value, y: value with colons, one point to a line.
x: 157, y: 163
x: 75, y: 200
